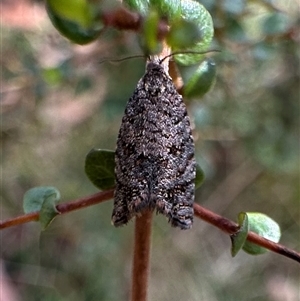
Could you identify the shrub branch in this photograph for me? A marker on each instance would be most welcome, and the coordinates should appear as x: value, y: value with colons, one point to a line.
x: 216, y: 220
x: 231, y: 227
x: 141, y: 256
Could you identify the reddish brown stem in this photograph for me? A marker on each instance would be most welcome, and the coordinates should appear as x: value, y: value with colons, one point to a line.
x: 86, y: 201
x: 141, y: 257
x: 121, y: 18
x: 22, y: 219
x: 205, y: 214
x: 61, y: 208
x: 230, y: 227
x: 217, y: 220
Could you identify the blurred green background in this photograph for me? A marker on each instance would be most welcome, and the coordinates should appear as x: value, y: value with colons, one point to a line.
x: 58, y: 102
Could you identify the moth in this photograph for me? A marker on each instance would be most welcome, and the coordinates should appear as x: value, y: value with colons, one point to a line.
x: 155, y: 164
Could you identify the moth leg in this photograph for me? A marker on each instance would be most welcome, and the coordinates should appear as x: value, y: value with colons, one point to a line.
x: 141, y: 202
x: 120, y: 214
x: 182, y: 216
x: 163, y: 204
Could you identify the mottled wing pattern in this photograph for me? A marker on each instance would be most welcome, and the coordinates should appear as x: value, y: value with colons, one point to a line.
x: 155, y: 165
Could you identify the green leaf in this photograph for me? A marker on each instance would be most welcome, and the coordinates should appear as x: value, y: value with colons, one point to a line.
x: 76, y: 20
x: 42, y: 199
x: 200, y: 176
x: 183, y: 34
x: 165, y: 8
x: 196, y: 13
x: 148, y: 40
x: 263, y: 226
x: 191, y: 25
x: 34, y: 198
x: 141, y: 6
x: 100, y: 168
x: 198, y: 79
x: 76, y: 10
x: 48, y: 210
x: 238, y: 239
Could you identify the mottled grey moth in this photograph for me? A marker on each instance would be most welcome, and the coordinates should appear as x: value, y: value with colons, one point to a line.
x: 155, y: 164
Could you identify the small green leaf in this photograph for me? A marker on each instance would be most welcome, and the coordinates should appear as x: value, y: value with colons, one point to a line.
x: 191, y: 25
x: 44, y: 200
x: 76, y: 10
x: 200, y: 176
x: 141, y: 6
x: 263, y: 226
x: 238, y: 239
x: 196, y: 13
x: 183, y: 34
x: 34, y: 198
x: 99, y: 167
x: 76, y: 20
x: 198, y: 79
x: 148, y: 40
x: 165, y: 8
x: 48, y: 211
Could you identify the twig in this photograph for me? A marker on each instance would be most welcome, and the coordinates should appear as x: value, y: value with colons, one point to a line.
x: 218, y: 221
x: 61, y: 208
x: 122, y: 18
x: 127, y: 20
x: 141, y: 257
x: 230, y: 227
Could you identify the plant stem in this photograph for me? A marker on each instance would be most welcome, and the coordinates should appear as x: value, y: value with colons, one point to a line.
x: 61, y: 208
x: 231, y: 227
x: 141, y: 257
x: 212, y: 218
x: 122, y: 18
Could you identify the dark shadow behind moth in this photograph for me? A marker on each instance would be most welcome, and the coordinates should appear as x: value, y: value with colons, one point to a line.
x: 155, y: 164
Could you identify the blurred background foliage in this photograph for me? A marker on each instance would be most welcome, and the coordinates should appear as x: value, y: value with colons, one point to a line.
x: 58, y: 102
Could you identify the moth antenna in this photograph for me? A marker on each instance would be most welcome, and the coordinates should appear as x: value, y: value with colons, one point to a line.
x: 122, y: 59
x: 189, y: 52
